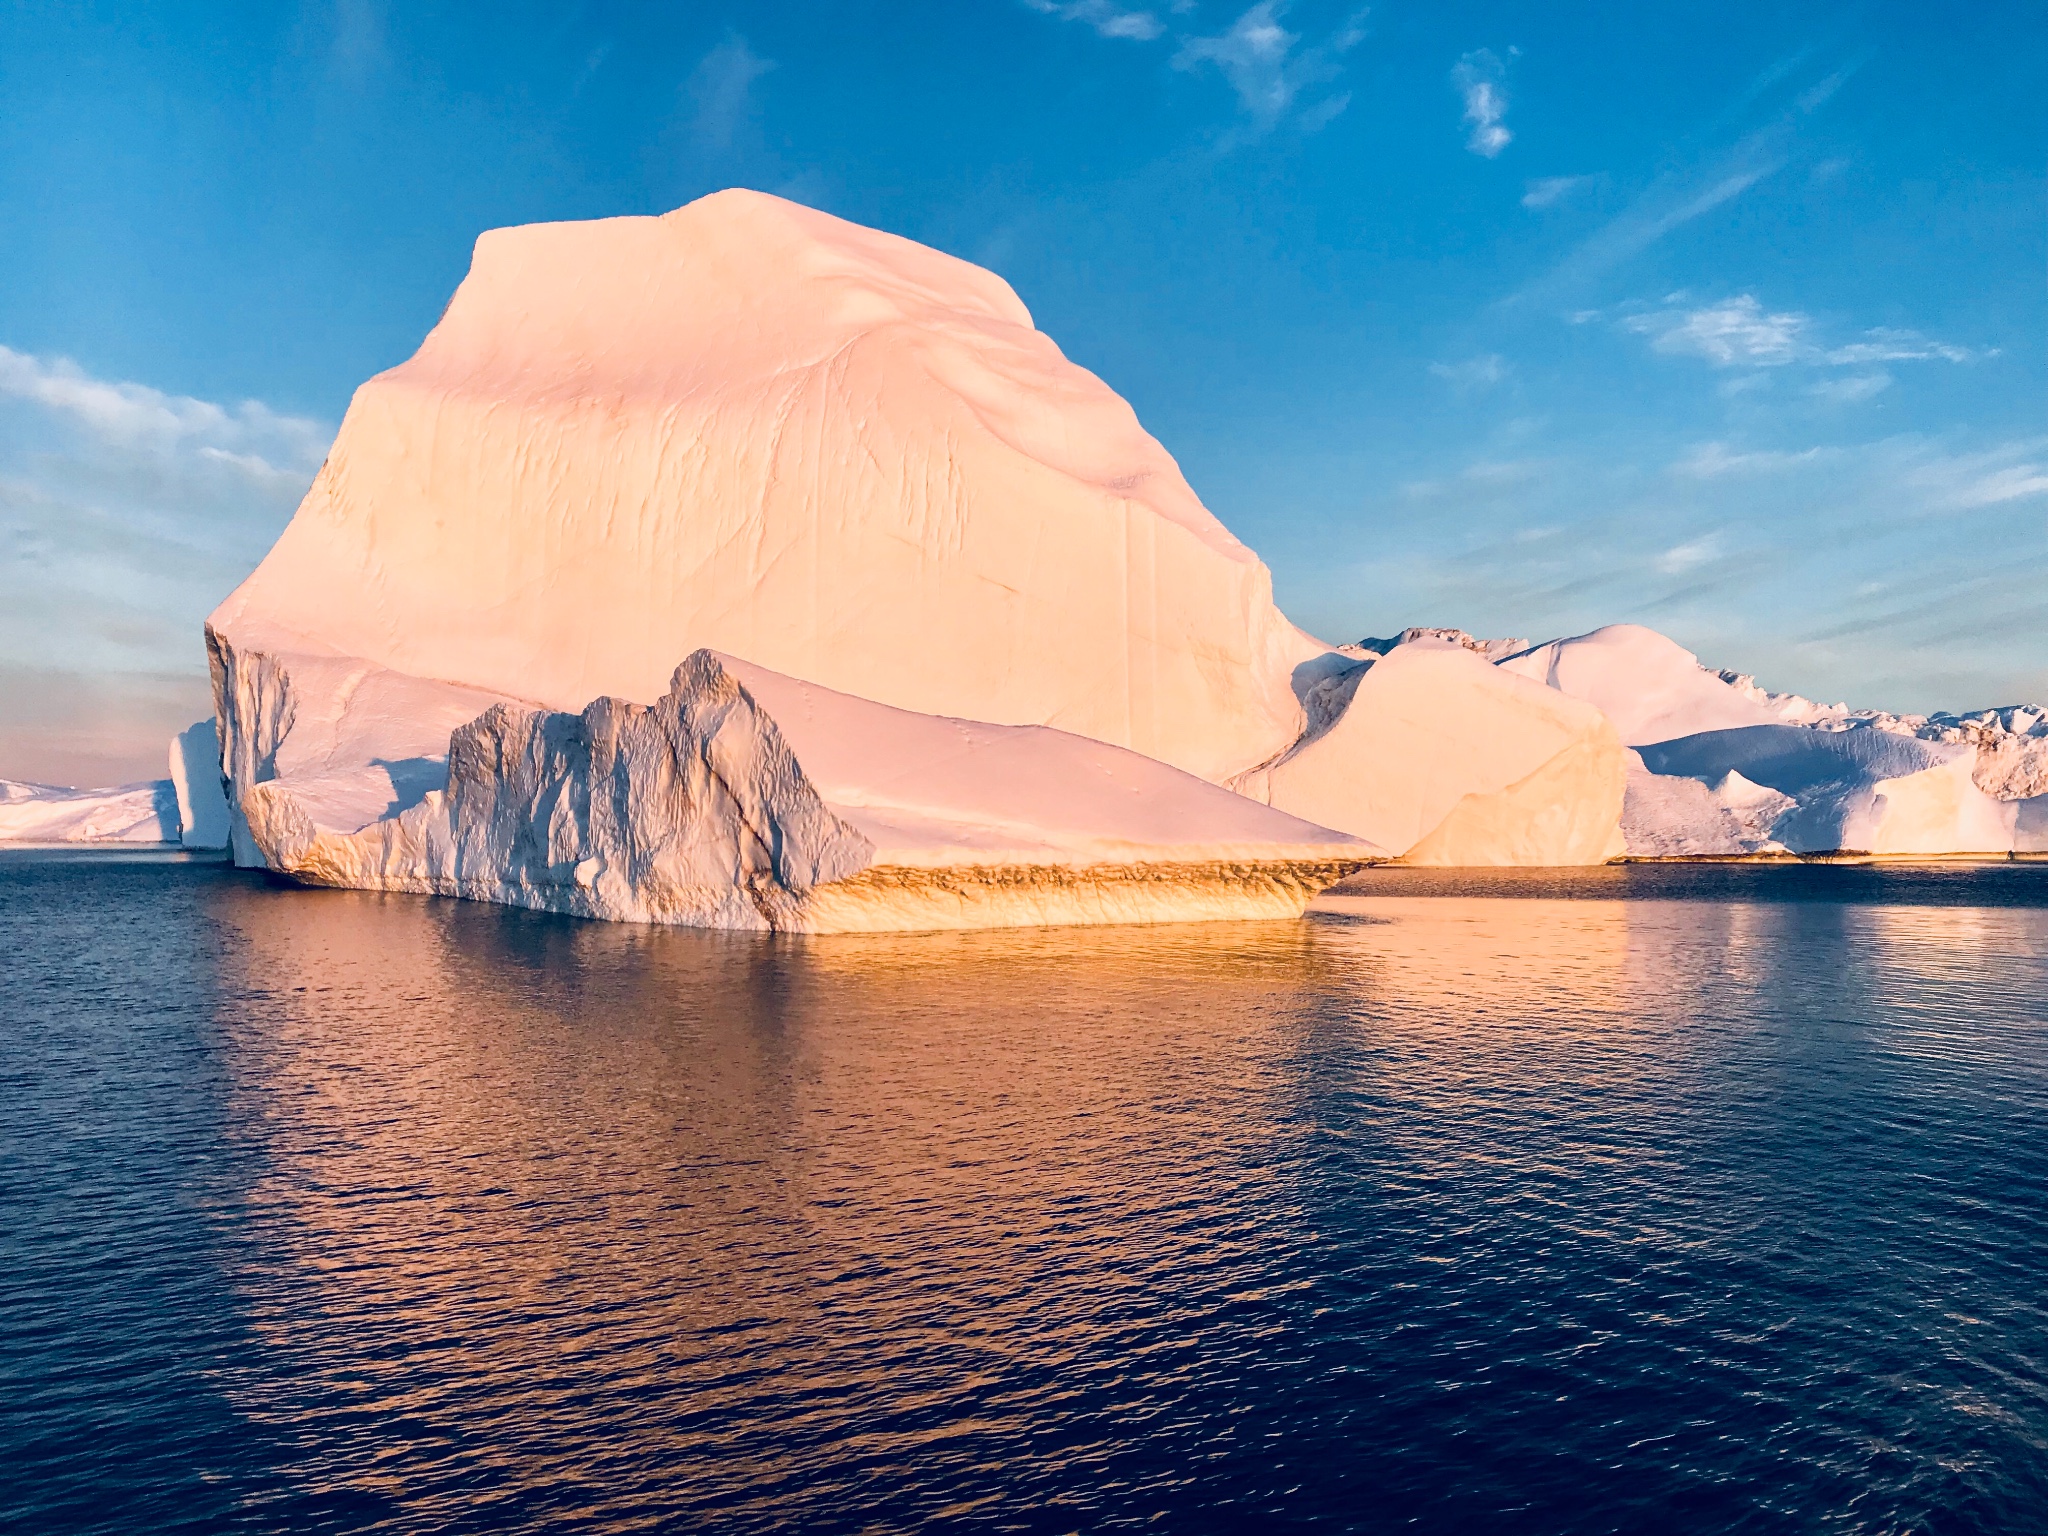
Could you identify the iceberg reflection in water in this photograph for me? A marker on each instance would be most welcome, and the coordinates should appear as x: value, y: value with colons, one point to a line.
x: 1483, y: 1201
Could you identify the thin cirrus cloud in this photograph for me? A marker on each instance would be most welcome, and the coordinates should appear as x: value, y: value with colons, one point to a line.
x: 1105, y: 18
x: 1269, y: 69
x: 1714, y: 178
x: 1547, y: 190
x: 1741, y: 333
x: 1481, y: 79
x: 1473, y: 376
x: 1919, y: 476
x: 720, y: 90
x: 1852, y: 390
x: 1274, y: 72
x: 1747, y: 553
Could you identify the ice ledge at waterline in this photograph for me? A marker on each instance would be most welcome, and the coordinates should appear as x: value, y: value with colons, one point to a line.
x: 742, y: 799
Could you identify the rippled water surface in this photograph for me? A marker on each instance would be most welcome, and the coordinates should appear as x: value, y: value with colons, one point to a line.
x: 1667, y: 1199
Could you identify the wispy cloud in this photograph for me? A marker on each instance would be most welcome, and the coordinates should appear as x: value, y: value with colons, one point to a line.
x: 1108, y: 19
x: 1920, y: 476
x: 1545, y: 190
x: 1970, y: 482
x: 1853, y: 390
x: 126, y: 513
x: 248, y: 435
x: 1926, y: 555
x: 358, y: 48
x: 1481, y: 79
x: 1273, y: 71
x: 1690, y: 555
x: 1735, y: 333
x: 1712, y: 460
x: 1475, y: 375
x: 720, y: 91
x: 1886, y: 344
x: 1712, y: 178
x: 1740, y: 333
x: 1268, y: 68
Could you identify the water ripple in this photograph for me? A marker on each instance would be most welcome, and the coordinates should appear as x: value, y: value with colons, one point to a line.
x: 1627, y: 1201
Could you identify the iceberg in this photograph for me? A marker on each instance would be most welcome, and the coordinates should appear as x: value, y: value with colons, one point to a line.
x: 1651, y: 687
x: 847, y: 477
x: 127, y: 813
x: 750, y: 426
x: 749, y: 800
x: 1721, y: 767
x: 196, y: 782
x: 1443, y: 758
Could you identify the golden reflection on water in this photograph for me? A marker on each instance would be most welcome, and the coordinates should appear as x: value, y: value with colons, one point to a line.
x: 809, y: 1184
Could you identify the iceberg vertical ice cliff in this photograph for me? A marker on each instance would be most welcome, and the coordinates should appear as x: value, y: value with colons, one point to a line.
x: 196, y: 781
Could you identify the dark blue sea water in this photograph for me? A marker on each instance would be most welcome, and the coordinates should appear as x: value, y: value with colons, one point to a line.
x: 1643, y: 1200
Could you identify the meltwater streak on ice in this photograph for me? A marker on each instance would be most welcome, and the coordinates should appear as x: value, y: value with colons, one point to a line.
x: 1717, y: 1208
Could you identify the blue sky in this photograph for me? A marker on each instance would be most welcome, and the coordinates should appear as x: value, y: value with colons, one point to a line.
x: 1728, y: 319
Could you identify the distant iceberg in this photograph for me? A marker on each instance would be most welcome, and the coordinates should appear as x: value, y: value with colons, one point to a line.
x: 127, y: 813
x: 189, y: 809
x: 1722, y: 767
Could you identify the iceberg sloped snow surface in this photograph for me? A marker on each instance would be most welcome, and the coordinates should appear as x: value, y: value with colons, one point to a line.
x: 700, y: 810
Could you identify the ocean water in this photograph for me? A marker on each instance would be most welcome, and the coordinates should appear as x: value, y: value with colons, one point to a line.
x: 1671, y: 1199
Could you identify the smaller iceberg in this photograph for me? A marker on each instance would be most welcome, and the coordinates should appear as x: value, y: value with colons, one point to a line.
x: 745, y: 799
x: 1721, y: 767
x: 189, y: 809
x: 127, y: 813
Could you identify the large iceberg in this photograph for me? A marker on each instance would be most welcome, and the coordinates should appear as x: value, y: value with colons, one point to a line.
x: 1433, y: 753
x: 845, y: 476
x: 753, y: 427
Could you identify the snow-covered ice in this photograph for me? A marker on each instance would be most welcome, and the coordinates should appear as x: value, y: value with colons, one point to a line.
x: 752, y: 426
x: 852, y: 465
x: 746, y: 799
x: 128, y: 813
x: 1867, y: 791
x: 1651, y: 687
x: 1433, y: 753
x: 1723, y: 766
x: 196, y: 781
